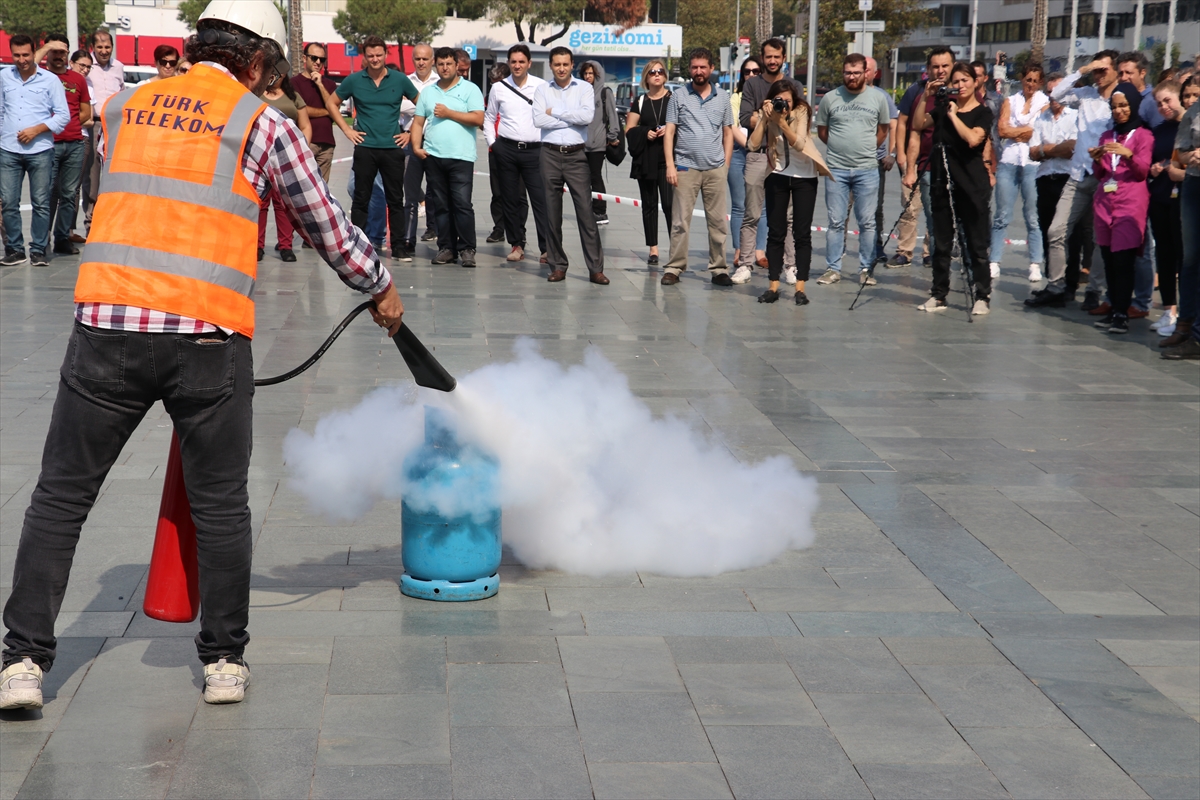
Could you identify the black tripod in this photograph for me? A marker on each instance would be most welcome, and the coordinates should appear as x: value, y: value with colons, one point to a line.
x: 865, y: 280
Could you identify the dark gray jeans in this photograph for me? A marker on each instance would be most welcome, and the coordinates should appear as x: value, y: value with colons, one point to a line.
x: 571, y: 170
x: 107, y: 383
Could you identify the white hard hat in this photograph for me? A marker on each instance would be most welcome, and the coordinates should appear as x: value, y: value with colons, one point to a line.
x: 260, y: 17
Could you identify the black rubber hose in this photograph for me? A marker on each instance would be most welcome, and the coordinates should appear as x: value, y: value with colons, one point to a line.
x: 287, y: 376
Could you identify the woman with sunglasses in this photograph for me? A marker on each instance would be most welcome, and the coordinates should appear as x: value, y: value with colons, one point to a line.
x: 166, y: 59
x: 282, y: 96
x: 644, y: 126
x: 737, y: 173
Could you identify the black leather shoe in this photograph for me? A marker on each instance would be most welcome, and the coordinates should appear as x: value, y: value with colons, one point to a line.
x: 495, y: 236
x: 260, y: 254
x: 287, y: 254
x: 66, y: 249
x: 652, y: 261
x: 1091, y: 301
x: 722, y: 279
x: 768, y: 296
x: 1046, y: 299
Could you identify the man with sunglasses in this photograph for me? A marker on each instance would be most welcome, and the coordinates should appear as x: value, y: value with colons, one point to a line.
x: 314, y: 87
x: 1094, y: 118
x: 754, y: 92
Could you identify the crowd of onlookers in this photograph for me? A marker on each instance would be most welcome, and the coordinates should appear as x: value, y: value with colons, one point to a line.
x: 1101, y: 159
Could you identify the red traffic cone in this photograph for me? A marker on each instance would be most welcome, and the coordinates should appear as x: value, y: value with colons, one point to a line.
x: 173, y: 585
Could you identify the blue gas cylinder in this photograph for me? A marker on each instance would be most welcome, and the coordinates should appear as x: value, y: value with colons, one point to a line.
x: 450, y: 517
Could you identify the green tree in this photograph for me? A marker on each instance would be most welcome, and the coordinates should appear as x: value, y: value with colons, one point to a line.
x: 36, y: 18
x: 902, y: 18
x: 404, y: 21
x: 710, y: 23
x: 529, y: 15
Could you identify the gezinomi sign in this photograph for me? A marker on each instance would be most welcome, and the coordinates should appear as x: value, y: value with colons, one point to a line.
x: 643, y: 40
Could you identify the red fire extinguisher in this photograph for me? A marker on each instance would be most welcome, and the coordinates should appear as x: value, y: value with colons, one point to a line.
x: 173, y: 585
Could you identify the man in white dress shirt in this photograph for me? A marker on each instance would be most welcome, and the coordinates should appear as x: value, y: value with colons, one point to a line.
x: 563, y: 109
x: 517, y: 143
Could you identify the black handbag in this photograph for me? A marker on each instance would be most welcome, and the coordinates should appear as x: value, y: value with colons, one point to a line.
x: 613, y: 151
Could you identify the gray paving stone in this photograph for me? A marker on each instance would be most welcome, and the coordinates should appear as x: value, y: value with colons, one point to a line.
x: 487, y: 695
x: 387, y: 665
x: 20, y: 748
x: 688, y: 623
x: 1049, y: 763
x: 280, y: 696
x: 909, y: 650
x: 724, y: 650
x: 748, y: 694
x: 977, y: 696
x: 659, y: 782
x: 619, y: 664
x: 252, y: 763
x: 502, y: 650
x: 382, y: 782
x: 892, y: 729
x: 384, y: 730
x: 647, y: 726
x: 850, y: 599
x: 857, y: 623
x: 931, y: 782
x: 74, y: 781
x: 785, y: 761
x: 648, y: 599
x: 845, y: 664
x: 1169, y: 788
x: 492, y: 762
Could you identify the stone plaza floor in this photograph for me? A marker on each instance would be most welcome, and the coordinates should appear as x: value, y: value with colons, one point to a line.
x: 1003, y: 599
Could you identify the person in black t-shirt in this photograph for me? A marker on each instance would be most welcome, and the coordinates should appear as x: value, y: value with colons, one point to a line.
x: 961, y: 126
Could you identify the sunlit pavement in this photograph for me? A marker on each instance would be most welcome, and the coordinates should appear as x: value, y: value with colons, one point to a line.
x: 1002, y: 600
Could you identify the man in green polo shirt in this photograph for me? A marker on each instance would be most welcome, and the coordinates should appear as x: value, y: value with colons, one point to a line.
x: 378, y: 141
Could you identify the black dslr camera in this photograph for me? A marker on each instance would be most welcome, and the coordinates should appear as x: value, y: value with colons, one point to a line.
x: 779, y: 105
x: 943, y: 96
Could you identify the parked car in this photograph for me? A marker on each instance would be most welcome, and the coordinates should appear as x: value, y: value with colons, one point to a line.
x: 135, y: 75
x: 626, y: 94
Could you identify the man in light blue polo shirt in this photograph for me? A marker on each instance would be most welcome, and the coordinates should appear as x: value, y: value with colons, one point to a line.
x: 35, y: 108
x: 447, y: 116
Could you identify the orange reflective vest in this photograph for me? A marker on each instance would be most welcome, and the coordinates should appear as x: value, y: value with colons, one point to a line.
x: 175, y: 226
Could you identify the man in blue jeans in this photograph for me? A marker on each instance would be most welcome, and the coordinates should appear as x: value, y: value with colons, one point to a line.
x: 443, y: 136
x: 34, y: 108
x: 852, y: 121
x: 69, y: 146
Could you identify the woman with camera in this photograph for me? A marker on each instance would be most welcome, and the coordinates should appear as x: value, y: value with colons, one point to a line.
x: 1121, y: 162
x: 960, y: 184
x: 795, y: 163
x: 644, y: 127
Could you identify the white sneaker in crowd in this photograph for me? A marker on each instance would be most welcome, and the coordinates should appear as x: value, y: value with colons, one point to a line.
x: 789, y: 276
x: 866, y: 278
x: 741, y: 274
x: 830, y: 276
x: 225, y: 682
x: 995, y: 268
x: 1167, y: 320
x: 981, y: 308
x: 1035, y: 273
x: 21, y: 685
x: 933, y: 304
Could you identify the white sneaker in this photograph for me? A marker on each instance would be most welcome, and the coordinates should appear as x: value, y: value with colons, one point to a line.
x: 21, y: 685
x: 225, y: 682
x: 1035, y: 273
x: 866, y: 278
x: 995, y: 268
x: 981, y: 308
x: 830, y: 276
x: 1167, y: 320
x: 789, y: 276
x: 933, y: 304
x: 741, y: 274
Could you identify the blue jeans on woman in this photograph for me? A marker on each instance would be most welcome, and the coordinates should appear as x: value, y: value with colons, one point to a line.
x: 737, y: 202
x: 1011, y: 180
x: 13, y: 168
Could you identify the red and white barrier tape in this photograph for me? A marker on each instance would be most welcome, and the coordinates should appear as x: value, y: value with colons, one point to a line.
x: 632, y: 201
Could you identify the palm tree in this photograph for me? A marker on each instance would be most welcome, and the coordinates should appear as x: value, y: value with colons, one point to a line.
x: 764, y: 19
x: 1041, y: 10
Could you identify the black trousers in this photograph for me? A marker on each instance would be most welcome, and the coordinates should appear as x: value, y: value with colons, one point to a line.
x: 450, y: 182
x: 1168, y: 247
x: 521, y: 174
x: 414, y: 175
x: 651, y: 191
x: 388, y: 162
x: 107, y: 383
x: 596, y: 165
x: 1081, y: 243
x: 977, y: 226
x: 570, y: 170
x: 1118, y: 269
x: 496, y: 184
x: 802, y: 192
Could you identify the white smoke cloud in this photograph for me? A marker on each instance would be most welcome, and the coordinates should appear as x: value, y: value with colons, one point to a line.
x: 590, y: 481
